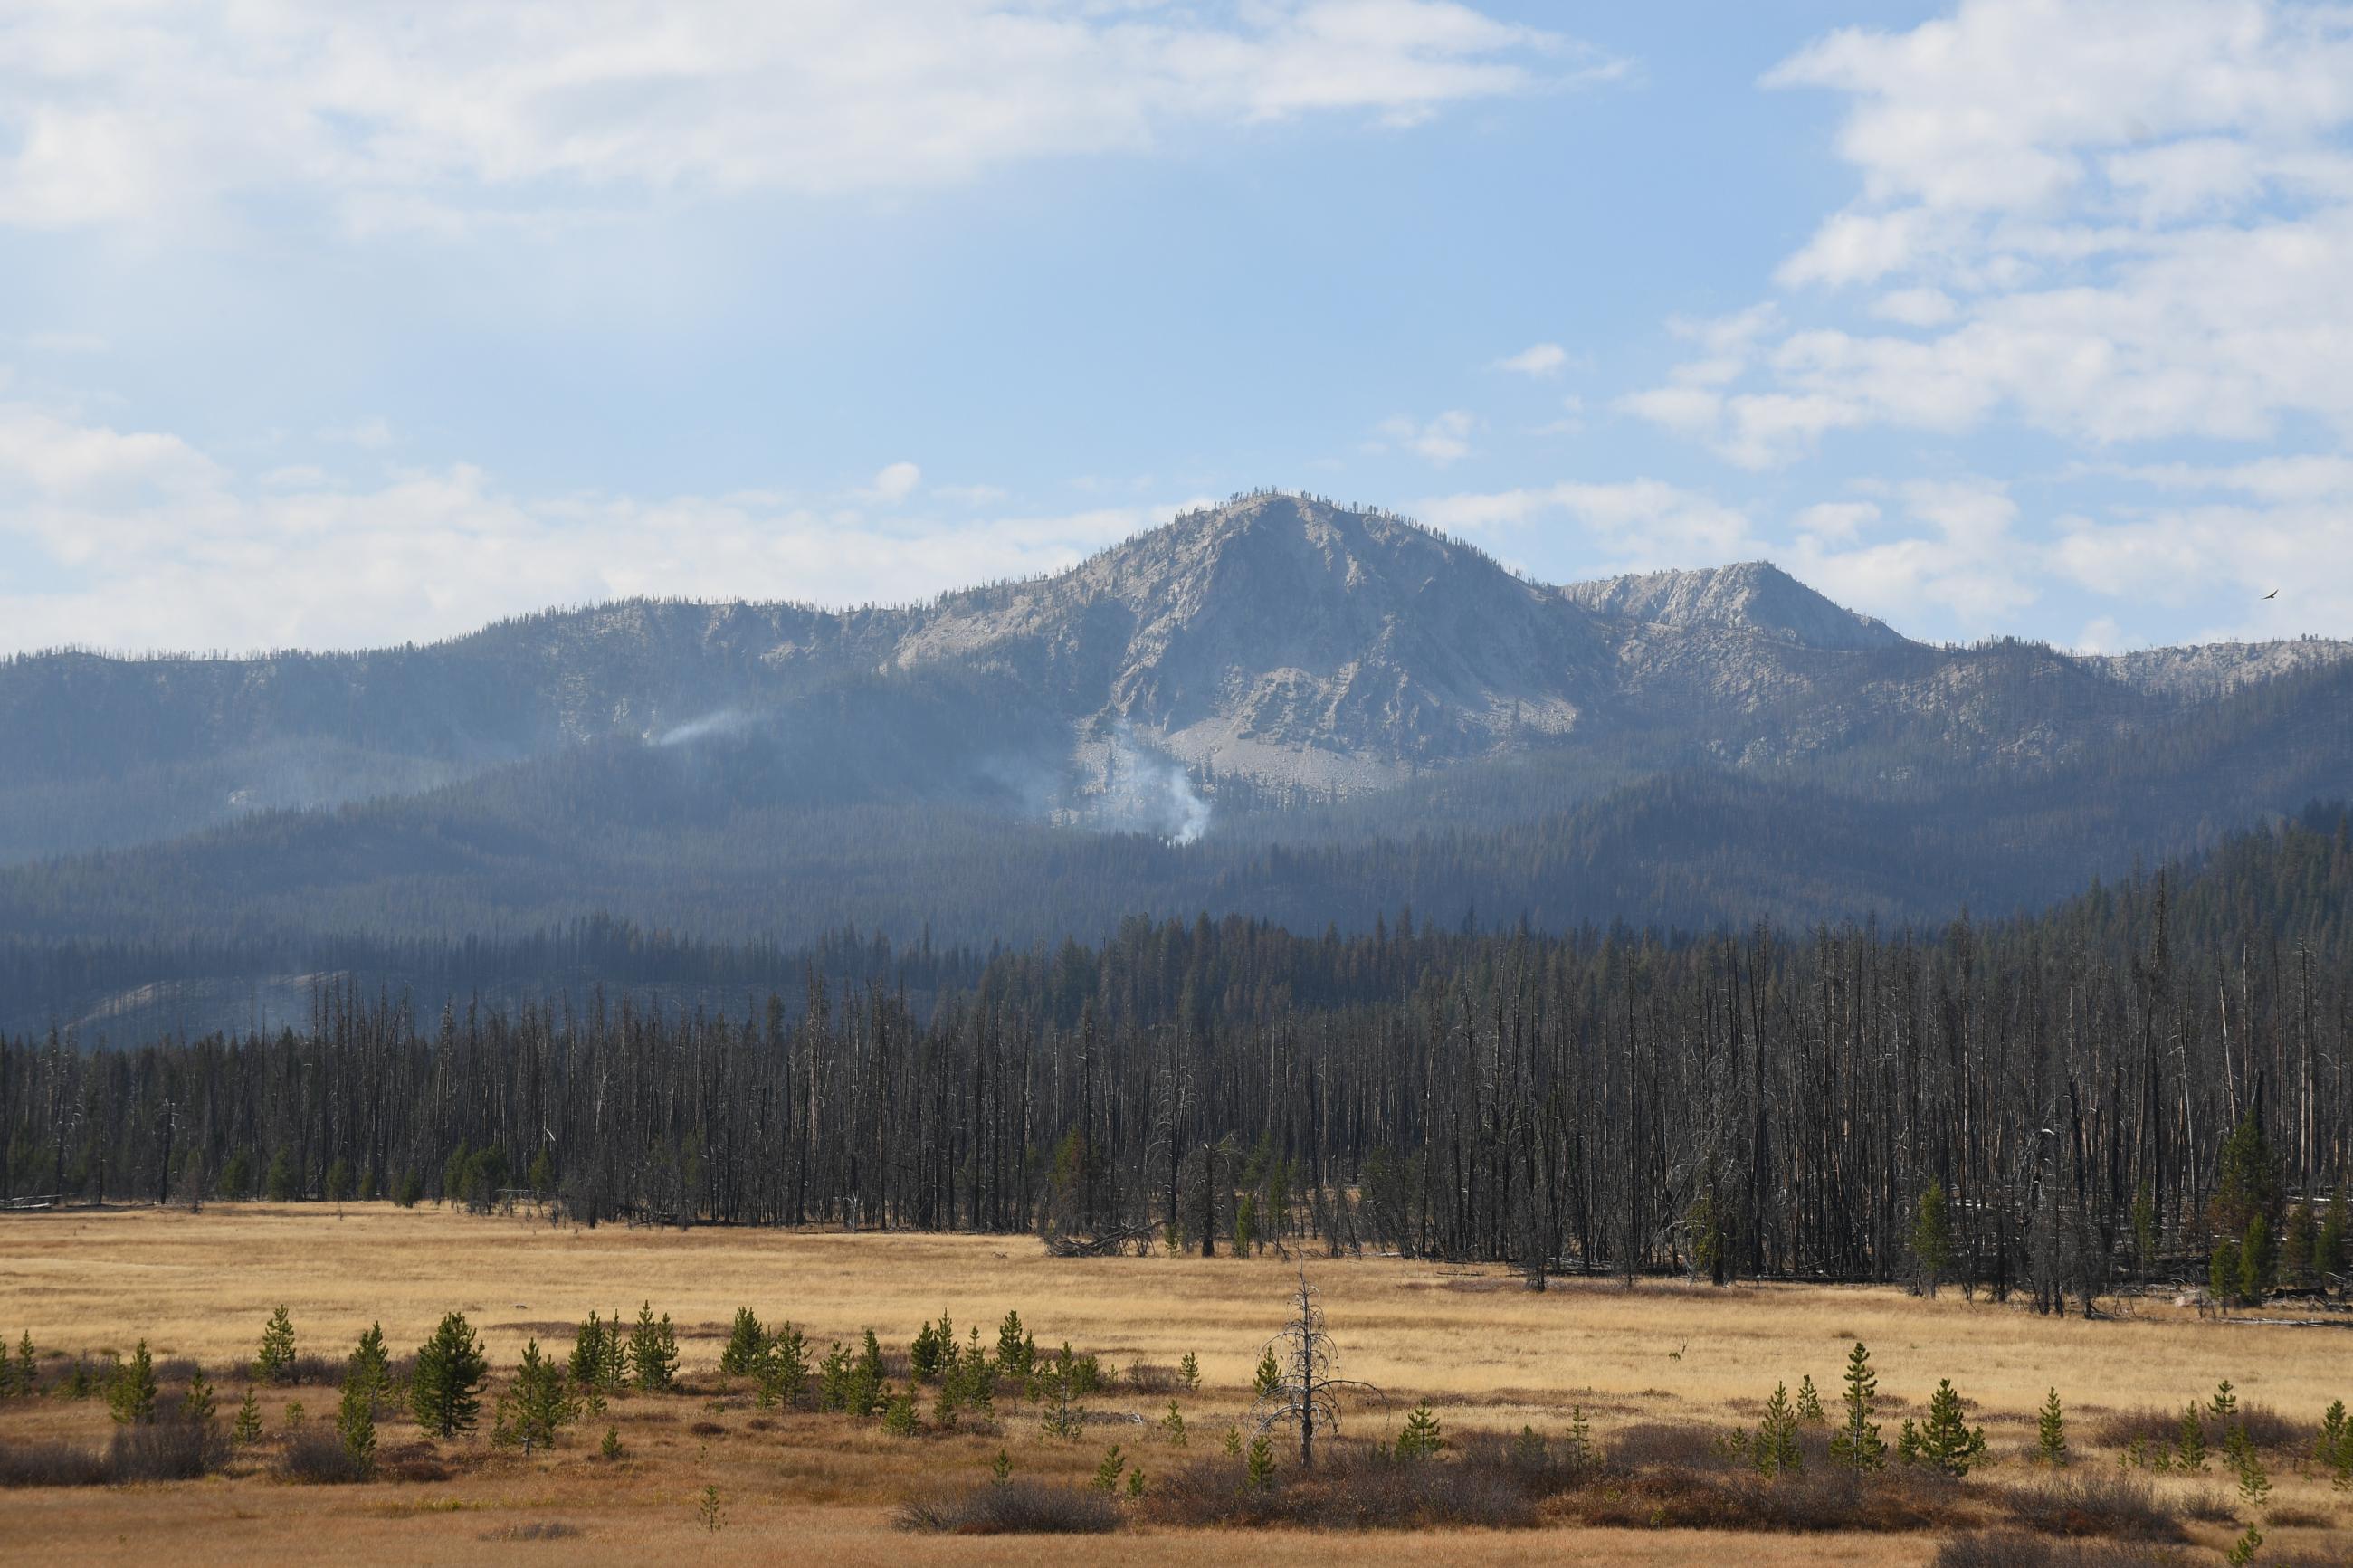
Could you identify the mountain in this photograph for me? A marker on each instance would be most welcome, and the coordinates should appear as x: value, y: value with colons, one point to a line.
x: 1752, y: 596
x: 1276, y: 707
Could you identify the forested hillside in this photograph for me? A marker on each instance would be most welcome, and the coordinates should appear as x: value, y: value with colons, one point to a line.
x: 2102, y: 1088
x: 1279, y: 709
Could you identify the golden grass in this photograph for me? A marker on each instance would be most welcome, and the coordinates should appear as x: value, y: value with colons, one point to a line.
x: 1483, y: 1350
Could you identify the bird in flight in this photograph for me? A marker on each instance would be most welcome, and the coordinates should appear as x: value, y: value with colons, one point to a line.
x: 2272, y: 595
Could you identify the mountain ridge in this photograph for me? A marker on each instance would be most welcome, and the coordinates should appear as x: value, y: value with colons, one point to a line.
x: 1276, y: 639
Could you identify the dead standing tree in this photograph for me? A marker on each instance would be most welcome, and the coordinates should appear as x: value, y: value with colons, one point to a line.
x: 1305, y: 1395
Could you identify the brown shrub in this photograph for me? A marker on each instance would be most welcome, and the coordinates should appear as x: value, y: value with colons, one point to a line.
x: 2100, y: 1504
x: 1824, y: 1498
x: 167, y: 1451
x: 1355, y: 1487
x: 547, y: 1529
x: 2008, y: 1551
x: 2265, y: 1427
x: 317, y: 1456
x: 1152, y: 1377
x: 417, y: 1461
x: 708, y: 1429
x: 1012, y: 1507
x: 1681, y: 1444
x: 52, y: 1465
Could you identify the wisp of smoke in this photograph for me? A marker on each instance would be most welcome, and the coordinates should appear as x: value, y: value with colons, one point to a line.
x: 726, y: 721
x: 1144, y: 792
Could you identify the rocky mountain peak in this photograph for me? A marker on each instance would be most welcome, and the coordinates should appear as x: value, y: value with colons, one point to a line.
x: 1749, y: 596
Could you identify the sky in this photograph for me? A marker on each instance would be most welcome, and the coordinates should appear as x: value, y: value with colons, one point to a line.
x: 348, y: 326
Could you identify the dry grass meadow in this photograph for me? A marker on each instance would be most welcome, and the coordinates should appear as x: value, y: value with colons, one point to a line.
x: 1485, y: 1352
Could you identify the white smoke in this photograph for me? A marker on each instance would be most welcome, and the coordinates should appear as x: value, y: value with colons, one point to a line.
x: 726, y: 721
x: 1144, y: 791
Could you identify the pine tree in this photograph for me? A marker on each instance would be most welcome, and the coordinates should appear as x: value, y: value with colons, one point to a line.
x: 1857, y: 1442
x: 445, y: 1390
x: 539, y: 1403
x: 2333, y: 1424
x: 1775, y: 1451
x: 371, y: 1368
x: 275, y: 1360
x: 1577, y: 1446
x: 1932, y: 1236
x: 2051, y: 1432
x: 596, y: 1356
x: 2223, y: 1277
x: 2296, y: 1238
x: 196, y: 1406
x: 899, y: 1412
x: 2258, y: 1261
x: 131, y: 1395
x: 1062, y: 1419
x: 653, y: 1353
x: 1269, y: 1375
x: 1189, y: 1370
x: 2336, y: 1449
x: 356, y: 1416
x: 247, y: 1427
x: 1809, y: 1402
x: 926, y: 1356
x: 2190, y: 1448
x: 1948, y: 1442
x: 1172, y: 1425
x: 28, y: 1376
x: 866, y: 1379
x: 2254, y: 1483
x: 2242, y: 1550
x: 2247, y: 1188
x: 2225, y: 1403
x: 1107, y: 1474
x: 1421, y: 1437
x: 1016, y: 1351
x: 744, y: 1342
x: 610, y: 1448
x: 1258, y: 1469
x: 783, y: 1369
x: 2329, y: 1240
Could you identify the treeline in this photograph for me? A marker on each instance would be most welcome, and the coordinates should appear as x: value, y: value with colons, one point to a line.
x: 1747, y: 1104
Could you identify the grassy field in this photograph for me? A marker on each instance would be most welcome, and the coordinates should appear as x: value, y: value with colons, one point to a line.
x: 1483, y: 1351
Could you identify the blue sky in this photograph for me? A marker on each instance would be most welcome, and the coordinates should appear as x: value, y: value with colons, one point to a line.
x: 328, y: 328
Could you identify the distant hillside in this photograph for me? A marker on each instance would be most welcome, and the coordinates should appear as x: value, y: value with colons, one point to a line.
x: 1276, y: 707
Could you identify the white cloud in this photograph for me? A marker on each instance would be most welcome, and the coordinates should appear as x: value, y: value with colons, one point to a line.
x: 134, y: 539
x: 1442, y: 440
x: 1538, y: 360
x: 1638, y: 525
x: 2116, y: 221
x: 895, y: 483
x: 410, y: 117
x: 373, y: 433
x: 1836, y: 523
x: 1916, y: 307
x: 1957, y: 557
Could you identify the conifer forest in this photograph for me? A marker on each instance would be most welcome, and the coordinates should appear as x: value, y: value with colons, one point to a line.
x: 2045, y: 1105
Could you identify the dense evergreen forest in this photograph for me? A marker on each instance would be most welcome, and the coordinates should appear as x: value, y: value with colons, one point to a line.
x: 2093, y: 1092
